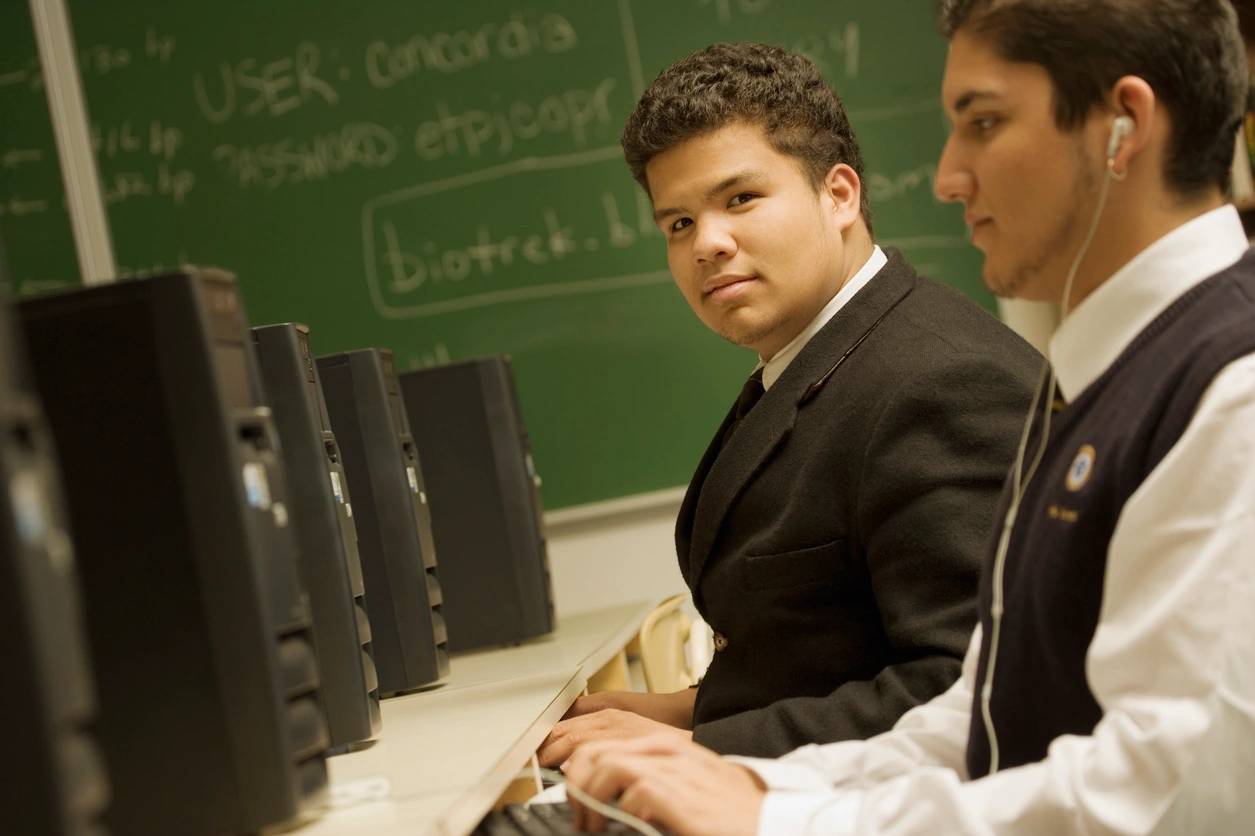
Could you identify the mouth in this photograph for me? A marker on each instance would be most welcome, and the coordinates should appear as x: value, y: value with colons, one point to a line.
x: 975, y: 226
x: 725, y: 286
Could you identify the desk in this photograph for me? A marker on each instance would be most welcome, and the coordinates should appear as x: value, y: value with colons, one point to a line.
x: 446, y: 754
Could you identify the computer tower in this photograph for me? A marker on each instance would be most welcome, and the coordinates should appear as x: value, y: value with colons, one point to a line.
x: 210, y: 716
x: 403, y: 594
x: 485, y: 502
x: 47, y: 702
x: 322, y: 516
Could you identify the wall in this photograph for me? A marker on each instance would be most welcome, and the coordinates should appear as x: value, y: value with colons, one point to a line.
x: 614, y: 552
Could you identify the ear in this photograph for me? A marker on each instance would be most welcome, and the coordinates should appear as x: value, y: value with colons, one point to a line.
x: 842, y: 189
x: 1133, y: 97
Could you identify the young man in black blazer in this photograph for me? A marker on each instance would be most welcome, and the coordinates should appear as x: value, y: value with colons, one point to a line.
x: 832, y: 531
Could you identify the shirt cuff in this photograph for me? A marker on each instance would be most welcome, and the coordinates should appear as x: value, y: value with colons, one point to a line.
x: 799, y: 813
x: 781, y: 775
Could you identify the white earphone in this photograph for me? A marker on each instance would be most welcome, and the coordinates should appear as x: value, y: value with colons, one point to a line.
x: 1120, y: 128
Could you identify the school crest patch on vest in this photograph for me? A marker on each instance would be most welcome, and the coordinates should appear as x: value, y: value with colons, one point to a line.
x: 1082, y: 467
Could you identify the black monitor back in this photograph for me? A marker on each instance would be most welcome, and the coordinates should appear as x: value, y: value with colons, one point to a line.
x: 47, y: 703
x: 322, y: 516
x: 403, y: 594
x: 211, y: 721
x: 485, y: 502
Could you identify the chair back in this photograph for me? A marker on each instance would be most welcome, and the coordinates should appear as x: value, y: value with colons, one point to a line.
x: 663, y: 637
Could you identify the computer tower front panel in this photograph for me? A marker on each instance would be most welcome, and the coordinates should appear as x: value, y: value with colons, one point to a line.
x: 48, y: 703
x: 484, y: 502
x: 321, y: 514
x: 197, y: 623
x: 403, y: 593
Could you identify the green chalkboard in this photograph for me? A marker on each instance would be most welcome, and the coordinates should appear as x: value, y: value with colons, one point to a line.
x: 39, y: 246
x: 444, y: 179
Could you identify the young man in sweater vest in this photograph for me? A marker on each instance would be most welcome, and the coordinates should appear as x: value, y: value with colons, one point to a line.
x: 1110, y: 684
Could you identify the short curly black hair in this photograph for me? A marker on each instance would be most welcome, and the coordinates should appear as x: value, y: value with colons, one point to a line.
x: 745, y: 82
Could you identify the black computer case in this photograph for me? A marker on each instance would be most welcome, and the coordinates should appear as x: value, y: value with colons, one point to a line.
x: 403, y: 593
x: 322, y: 516
x: 485, y: 502
x: 210, y: 716
x: 47, y: 701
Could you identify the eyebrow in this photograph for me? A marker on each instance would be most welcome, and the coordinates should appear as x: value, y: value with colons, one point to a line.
x: 965, y: 101
x: 722, y: 185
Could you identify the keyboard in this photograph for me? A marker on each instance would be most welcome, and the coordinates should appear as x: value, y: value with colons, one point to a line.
x: 537, y: 820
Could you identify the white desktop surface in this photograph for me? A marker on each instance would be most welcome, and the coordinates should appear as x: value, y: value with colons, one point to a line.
x: 586, y: 640
x: 447, y: 753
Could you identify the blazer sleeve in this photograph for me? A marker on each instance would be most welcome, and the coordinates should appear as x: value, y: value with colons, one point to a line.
x: 932, y: 471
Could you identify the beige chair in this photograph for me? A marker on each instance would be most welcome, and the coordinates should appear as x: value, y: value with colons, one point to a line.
x: 663, y: 637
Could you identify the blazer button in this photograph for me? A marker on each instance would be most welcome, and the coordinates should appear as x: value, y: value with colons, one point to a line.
x: 721, y: 641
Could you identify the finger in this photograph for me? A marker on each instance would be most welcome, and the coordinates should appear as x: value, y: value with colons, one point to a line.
x: 568, y: 735
x: 649, y: 801
x: 552, y: 754
x: 578, y: 768
x: 656, y: 743
x: 581, y: 772
x: 586, y: 704
x: 666, y: 798
x: 613, y: 774
x: 639, y: 800
x: 587, y: 755
x: 603, y: 731
x: 558, y: 746
x: 589, y: 751
x: 580, y: 706
x: 580, y: 765
x: 583, y: 817
x: 689, y: 797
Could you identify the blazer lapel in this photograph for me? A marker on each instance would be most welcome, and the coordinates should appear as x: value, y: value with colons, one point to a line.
x: 770, y: 422
x: 688, y: 508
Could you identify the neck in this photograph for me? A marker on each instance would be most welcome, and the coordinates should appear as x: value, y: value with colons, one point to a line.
x: 1129, y: 225
x: 857, y: 246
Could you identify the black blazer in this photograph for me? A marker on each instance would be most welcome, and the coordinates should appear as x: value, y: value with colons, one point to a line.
x: 835, y: 542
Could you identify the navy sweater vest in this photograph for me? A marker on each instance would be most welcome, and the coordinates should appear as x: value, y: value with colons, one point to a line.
x: 1102, y: 446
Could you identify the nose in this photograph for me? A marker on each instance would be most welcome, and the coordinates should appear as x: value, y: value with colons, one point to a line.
x: 714, y: 241
x: 954, y: 182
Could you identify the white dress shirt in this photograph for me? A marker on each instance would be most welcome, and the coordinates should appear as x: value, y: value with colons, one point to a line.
x: 773, y: 368
x: 1171, y: 663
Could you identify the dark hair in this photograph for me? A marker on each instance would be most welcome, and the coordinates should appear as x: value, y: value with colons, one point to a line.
x: 1188, y: 51
x: 1246, y: 18
x: 745, y: 82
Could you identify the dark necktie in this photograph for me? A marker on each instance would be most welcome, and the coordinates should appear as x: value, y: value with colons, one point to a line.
x: 750, y: 393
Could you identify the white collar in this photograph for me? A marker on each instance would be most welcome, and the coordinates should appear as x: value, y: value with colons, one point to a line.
x: 1098, y: 330
x: 773, y: 368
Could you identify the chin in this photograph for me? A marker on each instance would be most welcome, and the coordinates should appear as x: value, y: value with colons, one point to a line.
x: 746, y: 336
x: 1002, y: 284
x: 1001, y: 291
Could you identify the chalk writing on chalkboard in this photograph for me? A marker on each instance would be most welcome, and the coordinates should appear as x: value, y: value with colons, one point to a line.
x: 445, y: 180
